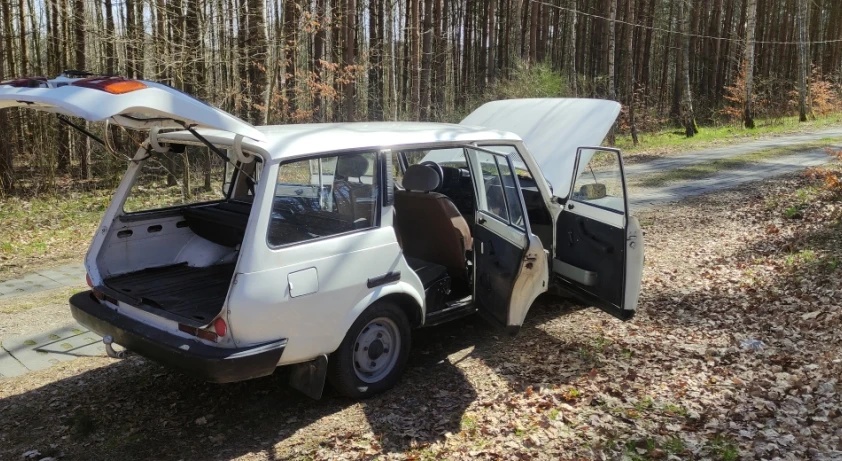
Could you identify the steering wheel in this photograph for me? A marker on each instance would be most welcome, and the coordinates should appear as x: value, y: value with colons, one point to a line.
x: 438, y: 169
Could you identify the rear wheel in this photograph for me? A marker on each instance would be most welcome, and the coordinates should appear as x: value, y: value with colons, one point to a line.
x: 374, y: 352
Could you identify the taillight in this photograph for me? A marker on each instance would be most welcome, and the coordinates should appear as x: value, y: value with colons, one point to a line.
x: 220, y: 327
x: 113, y: 85
x: 29, y: 82
x: 88, y: 280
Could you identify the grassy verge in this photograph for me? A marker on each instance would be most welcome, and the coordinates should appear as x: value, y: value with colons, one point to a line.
x: 673, y: 140
x: 709, y: 168
x: 54, y: 229
x: 44, y: 298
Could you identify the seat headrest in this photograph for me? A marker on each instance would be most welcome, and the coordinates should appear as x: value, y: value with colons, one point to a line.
x: 421, y: 178
x: 351, y: 166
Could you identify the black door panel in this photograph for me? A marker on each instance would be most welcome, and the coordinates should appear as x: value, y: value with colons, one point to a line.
x: 497, y: 265
x: 596, y: 247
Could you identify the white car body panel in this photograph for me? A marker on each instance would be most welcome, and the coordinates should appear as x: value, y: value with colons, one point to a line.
x: 552, y: 129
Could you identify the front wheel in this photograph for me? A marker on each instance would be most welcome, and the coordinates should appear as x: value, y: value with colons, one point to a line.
x: 373, y: 354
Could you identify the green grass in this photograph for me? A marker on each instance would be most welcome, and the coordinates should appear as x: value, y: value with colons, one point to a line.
x: 723, y: 448
x: 673, y: 139
x: 709, y: 168
x: 44, y: 298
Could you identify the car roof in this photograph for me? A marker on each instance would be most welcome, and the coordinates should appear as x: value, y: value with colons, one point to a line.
x: 284, y: 141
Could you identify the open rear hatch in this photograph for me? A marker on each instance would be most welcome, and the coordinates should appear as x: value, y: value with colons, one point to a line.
x: 134, y: 104
x: 190, y: 291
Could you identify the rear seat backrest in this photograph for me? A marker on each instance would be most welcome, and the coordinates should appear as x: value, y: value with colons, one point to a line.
x: 222, y: 223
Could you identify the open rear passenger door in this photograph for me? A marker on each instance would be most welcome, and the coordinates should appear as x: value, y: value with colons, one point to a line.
x: 510, y: 264
x: 133, y: 104
x: 599, y: 246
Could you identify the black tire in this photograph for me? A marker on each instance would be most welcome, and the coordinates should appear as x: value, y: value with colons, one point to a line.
x: 342, y: 367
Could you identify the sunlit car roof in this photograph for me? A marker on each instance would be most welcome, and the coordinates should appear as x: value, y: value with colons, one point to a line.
x: 292, y: 140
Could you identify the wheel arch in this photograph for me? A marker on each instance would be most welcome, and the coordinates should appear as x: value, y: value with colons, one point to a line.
x: 402, y: 294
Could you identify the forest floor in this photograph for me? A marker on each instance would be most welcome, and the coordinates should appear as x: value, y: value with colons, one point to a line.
x: 735, y: 353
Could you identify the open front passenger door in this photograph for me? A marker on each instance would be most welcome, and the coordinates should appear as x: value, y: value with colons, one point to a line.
x: 510, y: 264
x: 599, y: 246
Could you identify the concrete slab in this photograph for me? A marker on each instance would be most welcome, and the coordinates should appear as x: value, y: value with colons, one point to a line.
x: 28, y: 284
x: 9, y: 366
x: 66, y: 275
x: 47, y: 279
x: 44, y: 350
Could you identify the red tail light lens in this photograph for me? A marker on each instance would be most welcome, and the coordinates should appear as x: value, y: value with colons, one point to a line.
x: 220, y: 327
x: 88, y: 280
x: 113, y: 85
x: 29, y: 82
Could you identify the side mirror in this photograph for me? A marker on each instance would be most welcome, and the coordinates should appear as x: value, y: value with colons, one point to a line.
x: 593, y: 191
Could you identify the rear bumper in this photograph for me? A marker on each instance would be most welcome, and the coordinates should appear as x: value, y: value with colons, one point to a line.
x: 214, y: 364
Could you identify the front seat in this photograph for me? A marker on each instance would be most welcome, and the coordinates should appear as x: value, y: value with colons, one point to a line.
x: 353, y: 198
x: 429, y: 225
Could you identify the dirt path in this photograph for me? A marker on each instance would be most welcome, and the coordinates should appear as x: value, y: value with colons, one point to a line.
x: 647, y: 198
x: 732, y: 150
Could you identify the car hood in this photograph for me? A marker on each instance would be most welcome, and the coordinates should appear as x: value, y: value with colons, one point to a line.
x: 552, y: 129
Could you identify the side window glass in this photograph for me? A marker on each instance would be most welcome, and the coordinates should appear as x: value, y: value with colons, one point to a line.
x: 510, y: 189
x: 324, y: 196
x: 500, y: 182
x: 599, y: 181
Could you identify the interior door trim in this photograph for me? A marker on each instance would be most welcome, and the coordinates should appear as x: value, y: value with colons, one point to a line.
x: 577, y: 274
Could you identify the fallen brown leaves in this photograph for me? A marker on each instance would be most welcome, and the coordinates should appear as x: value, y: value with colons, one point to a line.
x: 734, y: 354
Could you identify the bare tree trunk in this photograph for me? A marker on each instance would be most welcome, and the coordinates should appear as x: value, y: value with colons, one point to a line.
x: 318, y: 55
x: 630, y: 74
x: 110, y: 57
x: 257, y: 59
x: 7, y: 167
x: 348, y: 89
x: 751, y: 11
x: 83, y: 143
x: 574, y: 75
x: 492, y: 42
x: 803, y: 60
x: 290, y: 44
x: 612, y: 91
x: 375, y: 70
x: 426, y: 60
x: 687, y: 99
x: 414, y: 63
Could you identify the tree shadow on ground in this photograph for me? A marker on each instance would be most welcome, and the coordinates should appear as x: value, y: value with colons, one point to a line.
x: 139, y: 410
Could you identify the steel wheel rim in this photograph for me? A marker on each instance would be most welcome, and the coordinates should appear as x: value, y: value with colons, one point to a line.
x: 376, y: 350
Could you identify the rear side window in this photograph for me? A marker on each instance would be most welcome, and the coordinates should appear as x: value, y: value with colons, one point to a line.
x: 324, y: 196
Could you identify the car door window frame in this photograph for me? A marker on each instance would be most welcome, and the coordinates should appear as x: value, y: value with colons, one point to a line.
x: 621, y: 168
x: 478, y: 181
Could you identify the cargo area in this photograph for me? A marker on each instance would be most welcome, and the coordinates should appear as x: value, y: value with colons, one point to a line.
x: 194, y: 294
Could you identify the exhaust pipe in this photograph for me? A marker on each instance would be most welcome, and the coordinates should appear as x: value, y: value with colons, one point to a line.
x: 108, y: 341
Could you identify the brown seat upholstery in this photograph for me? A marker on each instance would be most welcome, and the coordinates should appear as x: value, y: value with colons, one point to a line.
x: 352, y: 197
x: 429, y: 225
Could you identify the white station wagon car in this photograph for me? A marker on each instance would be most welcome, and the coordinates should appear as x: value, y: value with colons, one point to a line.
x: 333, y: 241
